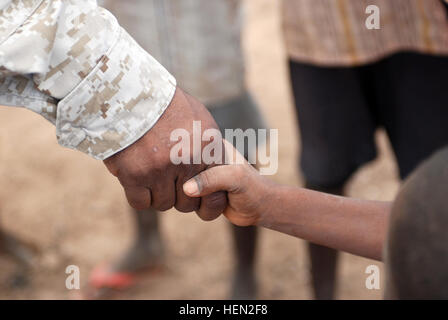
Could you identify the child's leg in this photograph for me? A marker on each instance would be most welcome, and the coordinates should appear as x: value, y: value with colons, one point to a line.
x: 337, y: 131
x: 241, y: 113
x: 144, y: 254
x: 244, y: 282
x: 147, y: 249
x: 323, y: 260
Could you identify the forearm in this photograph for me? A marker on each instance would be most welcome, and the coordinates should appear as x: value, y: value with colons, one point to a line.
x: 352, y: 225
x: 71, y: 62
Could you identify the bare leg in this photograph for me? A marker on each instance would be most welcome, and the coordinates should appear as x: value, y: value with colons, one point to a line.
x: 147, y: 248
x: 323, y: 260
x: 244, y: 283
x: 145, y: 253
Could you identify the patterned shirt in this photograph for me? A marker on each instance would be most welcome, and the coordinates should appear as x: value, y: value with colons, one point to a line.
x: 71, y: 62
x: 334, y: 32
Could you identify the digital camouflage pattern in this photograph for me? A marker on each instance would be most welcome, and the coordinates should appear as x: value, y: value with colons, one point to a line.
x: 71, y: 62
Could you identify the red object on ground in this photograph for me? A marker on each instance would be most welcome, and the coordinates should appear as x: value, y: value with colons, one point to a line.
x: 103, y: 277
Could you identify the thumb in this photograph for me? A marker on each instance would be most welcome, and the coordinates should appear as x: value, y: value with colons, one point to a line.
x: 221, y: 178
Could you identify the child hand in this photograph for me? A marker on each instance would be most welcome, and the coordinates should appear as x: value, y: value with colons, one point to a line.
x: 248, y: 191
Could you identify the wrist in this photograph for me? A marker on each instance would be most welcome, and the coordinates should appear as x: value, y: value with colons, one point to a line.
x: 270, y: 199
x: 280, y: 203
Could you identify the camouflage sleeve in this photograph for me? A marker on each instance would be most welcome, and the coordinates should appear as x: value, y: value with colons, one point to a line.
x: 71, y: 62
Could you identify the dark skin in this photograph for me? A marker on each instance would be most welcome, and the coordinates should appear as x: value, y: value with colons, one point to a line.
x: 148, y: 176
x: 351, y: 225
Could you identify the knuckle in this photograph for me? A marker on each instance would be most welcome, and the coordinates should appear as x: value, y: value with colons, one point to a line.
x: 136, y: 173
x: 160, y: 162
x: 188, y: 171
x: 159, y: 169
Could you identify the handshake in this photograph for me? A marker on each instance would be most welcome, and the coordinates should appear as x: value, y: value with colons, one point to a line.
x: 151, y: 179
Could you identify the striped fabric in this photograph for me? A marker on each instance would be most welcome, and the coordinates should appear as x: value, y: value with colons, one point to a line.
x: 198, y: 41
x: 333, y: 32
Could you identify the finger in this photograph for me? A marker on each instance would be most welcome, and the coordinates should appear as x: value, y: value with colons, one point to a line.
x: 139, y: 198
x: 185, y: 203
x: 163, y: 195
x: 212, y: 205
x: 237, y: 219
x: 222, y: 178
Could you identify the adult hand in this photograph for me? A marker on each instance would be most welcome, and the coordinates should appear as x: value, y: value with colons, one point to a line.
x: 149, y: 177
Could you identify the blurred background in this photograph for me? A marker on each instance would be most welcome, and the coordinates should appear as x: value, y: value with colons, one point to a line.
x: 74, y: 212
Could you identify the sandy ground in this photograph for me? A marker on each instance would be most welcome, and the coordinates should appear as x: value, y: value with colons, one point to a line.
x: 75, y: 213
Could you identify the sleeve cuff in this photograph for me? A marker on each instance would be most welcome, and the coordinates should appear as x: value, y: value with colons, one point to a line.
x: 117, y: 103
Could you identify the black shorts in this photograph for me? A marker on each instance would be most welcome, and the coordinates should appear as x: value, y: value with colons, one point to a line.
x: 339, y: 109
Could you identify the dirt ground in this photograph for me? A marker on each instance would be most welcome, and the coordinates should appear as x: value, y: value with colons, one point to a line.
x: 75, y: 213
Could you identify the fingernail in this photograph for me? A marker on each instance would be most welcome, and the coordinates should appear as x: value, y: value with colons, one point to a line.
x: 191, y: 187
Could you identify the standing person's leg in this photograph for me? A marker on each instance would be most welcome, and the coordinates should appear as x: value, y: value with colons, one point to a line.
x: 244, y: 284
x: 147, y: 249
x: 241, y: 113
x: 323, y: 260
x: 414, y: 106
x: 237, y: 113
x: 145, y: 253
x: 337, y: 135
